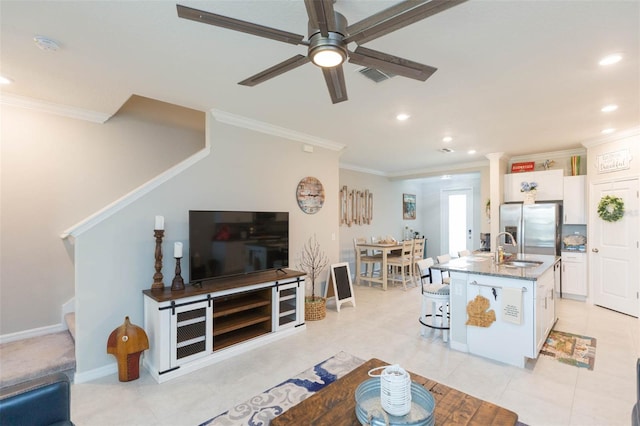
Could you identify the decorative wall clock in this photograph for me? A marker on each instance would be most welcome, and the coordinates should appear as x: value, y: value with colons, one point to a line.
x: 310, y: 195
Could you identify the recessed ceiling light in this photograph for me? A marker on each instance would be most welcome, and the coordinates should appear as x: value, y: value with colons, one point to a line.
x: 610, y: 60
x: 447, y: 139
x: 609, y: 108
x: 608, y: 131
x: 402, y: 117
x: 445, y: 177
x: 5, y: 80
x: 471, y: 151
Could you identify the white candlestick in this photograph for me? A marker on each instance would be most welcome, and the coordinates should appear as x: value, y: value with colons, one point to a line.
x: 177, y: 250
x: 159, y: 223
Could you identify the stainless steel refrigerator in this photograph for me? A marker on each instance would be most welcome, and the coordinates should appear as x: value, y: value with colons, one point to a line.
x: 536, y: 227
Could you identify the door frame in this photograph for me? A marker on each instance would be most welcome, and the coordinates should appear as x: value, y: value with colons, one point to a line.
x: 444, y: 216
x: 592, y: 217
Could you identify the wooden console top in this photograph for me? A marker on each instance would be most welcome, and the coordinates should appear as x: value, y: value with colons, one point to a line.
x: 221, y: 284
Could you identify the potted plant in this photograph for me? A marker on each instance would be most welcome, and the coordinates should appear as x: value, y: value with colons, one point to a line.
x: 313, y: 261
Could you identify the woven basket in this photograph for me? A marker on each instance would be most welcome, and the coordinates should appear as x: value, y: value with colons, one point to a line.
x: 315, y: 309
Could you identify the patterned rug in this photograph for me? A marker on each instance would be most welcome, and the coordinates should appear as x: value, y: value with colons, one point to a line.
x: 259, y: 410
x: 572, y: 349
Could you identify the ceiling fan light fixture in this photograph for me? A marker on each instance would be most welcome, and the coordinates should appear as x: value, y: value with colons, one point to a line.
x: 328, y: 57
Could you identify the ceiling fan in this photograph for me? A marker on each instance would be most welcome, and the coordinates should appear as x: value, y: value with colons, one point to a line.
x: 329, y: 36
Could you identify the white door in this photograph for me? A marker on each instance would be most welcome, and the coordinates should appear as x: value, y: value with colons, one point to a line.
x: 457, y: 220
x: 614, y: 257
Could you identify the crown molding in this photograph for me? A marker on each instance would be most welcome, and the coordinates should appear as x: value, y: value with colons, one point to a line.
x: 449, y: 169
x: 546, y: 155
x: 53, y: 108
x: 634, y: 131
x: 270, y: 129
x: 354, y: 168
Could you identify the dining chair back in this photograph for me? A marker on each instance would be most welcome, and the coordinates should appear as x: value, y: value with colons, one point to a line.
x: 436, y: 296
x: 365, y: 263
x: 401, y: 265
x: 463, y: 253
x: 418, y: 254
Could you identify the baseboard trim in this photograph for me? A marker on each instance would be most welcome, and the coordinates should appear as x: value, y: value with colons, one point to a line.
x: 96, y: 373
x: 35, y: 332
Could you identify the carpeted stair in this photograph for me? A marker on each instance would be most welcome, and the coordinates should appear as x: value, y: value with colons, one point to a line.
x: 38, y: 356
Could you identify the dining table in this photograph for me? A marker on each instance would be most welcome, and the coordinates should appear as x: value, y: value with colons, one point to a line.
x: 384, y: 249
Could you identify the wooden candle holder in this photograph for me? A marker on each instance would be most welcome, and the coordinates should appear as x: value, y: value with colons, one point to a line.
x: 157, y: 277
x: 178, y: 282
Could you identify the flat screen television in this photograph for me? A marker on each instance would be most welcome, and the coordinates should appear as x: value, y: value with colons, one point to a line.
x: 225, y: 243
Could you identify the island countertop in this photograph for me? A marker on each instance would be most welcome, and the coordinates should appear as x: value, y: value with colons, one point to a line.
x: 483, y: 264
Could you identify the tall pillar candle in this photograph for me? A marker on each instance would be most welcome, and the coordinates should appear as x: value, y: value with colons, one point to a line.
x: 177, y: 250
x: 159, y: 223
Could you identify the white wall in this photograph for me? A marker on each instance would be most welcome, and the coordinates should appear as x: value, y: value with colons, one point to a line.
x: 56, y: 171
x: 245, y: 171
x: 387, y: 210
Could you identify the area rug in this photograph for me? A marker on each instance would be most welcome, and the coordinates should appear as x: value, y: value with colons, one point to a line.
x: 571, y: 349
x: 259, y: 410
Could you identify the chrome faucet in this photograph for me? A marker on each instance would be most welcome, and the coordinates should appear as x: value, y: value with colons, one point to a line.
x: 513, y: 243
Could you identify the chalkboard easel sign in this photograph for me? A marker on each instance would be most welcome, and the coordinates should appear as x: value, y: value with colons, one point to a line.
x: 339, y: 284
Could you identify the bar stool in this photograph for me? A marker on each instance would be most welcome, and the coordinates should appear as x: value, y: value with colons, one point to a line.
x: 436, y: 295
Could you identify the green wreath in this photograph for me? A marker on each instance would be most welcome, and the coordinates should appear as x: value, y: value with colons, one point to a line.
x: 611, y: 208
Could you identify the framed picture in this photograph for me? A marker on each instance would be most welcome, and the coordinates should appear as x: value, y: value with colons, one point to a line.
x: 408, y: 206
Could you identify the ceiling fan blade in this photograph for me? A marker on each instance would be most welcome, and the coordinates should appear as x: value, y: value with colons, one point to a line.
x: 334, y: 77
x: 389, y: 63
x: 238, y: 25
x: 321, y: 15
x: 275, y: 70
x: 396, y: 17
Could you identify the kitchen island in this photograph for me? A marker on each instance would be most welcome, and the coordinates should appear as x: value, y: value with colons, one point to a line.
x: 502, y: 311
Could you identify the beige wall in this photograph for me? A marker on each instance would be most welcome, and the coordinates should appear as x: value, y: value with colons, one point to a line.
x: 245, y: 171
x: 56, y: 171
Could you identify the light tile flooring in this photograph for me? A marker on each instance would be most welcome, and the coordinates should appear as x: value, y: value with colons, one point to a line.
x: 384, y: 325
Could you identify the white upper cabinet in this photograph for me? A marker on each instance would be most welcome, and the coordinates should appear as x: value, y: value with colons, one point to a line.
x: 550, y: 185
x: 575, y: 201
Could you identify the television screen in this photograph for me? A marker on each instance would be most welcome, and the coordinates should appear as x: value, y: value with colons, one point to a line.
x: 223, y: 243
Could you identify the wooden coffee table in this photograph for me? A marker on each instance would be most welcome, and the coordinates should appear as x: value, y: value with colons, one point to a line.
x: 335, y: 404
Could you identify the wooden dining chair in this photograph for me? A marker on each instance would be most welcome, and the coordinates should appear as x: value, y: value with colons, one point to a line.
x: 435, y: 296
x: 444, y: 258
x: 365, y: 262
x: 401, y: 265
x: 418, y: 254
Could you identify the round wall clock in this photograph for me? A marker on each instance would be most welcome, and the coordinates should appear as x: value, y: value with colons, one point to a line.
x: 310, y: 195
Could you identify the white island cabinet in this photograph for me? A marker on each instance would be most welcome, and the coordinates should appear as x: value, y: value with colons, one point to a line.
x: 513, y: 329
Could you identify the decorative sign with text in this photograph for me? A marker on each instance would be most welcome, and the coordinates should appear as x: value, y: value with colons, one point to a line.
x: 523, y: 167
x: 614, y: 161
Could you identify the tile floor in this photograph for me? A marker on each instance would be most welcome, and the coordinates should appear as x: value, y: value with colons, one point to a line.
x: 384, y: 325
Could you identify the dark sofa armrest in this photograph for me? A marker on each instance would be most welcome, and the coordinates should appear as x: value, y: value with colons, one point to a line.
x: 42, y: 401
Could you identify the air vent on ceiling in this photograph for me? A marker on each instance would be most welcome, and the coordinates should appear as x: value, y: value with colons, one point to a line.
x: 445, y: 150
x: 375, y: 75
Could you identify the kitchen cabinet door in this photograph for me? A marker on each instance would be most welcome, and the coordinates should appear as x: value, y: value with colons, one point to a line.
x: 574, y: 201
x: 550, y: 185
x: 574, y: 274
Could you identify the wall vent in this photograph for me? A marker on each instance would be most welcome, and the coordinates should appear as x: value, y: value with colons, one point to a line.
x: 375, y: 75
x: 446, y: 150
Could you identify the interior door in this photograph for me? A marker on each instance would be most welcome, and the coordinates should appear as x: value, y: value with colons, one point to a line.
x: 457, y: 220
x: 614, y: 258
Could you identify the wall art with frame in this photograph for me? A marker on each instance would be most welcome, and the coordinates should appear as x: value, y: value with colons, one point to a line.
x: 408, y: 206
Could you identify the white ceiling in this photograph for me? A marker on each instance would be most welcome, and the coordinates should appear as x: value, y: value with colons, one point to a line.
x: 519, y: 77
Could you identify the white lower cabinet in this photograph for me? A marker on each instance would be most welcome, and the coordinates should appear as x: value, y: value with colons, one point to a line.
x: 574, y: 274
x: 197, y: 327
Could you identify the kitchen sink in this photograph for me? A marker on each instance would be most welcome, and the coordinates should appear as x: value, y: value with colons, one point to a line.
x: 522, y: 263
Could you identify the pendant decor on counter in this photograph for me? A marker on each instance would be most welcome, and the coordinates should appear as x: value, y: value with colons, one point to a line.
x: 310, y: 195
x: 356, y: 207
x: 611, y: 208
